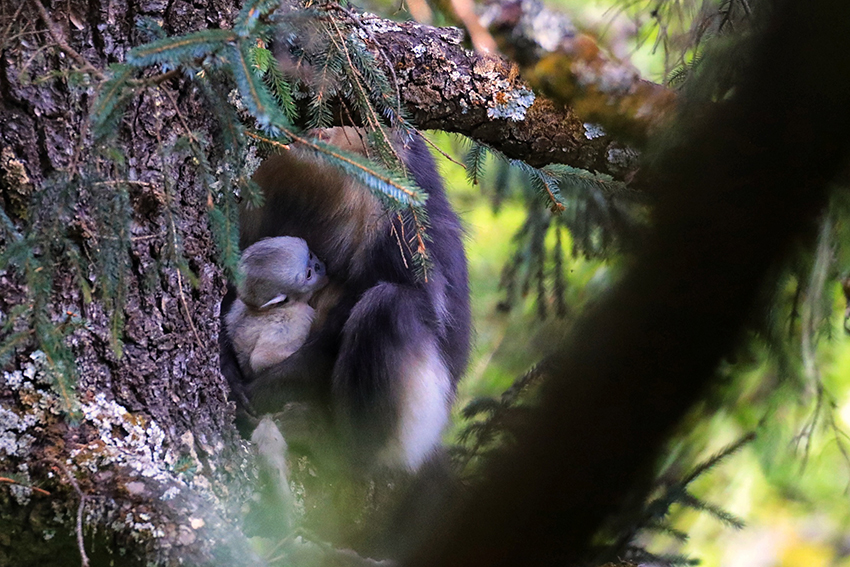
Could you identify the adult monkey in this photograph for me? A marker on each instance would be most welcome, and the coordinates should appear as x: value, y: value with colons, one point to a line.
x: 390, y: 347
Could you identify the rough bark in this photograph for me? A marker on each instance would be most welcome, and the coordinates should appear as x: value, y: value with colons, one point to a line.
x: 574, y: 70
x: 151, y: 447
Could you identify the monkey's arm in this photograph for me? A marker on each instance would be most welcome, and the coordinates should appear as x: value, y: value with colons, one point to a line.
x: 303, y: 376
x: 229, y: 365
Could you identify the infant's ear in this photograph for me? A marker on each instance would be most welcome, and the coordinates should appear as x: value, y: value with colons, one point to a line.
x: 278, y: 300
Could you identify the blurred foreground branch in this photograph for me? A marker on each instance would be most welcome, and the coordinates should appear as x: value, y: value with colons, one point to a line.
x: 736, y: 183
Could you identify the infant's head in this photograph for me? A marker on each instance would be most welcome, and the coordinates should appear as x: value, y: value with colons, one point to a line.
x: 280, y: 269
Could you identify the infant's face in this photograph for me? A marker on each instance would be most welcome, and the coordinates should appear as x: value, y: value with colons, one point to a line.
x: 277, y: 270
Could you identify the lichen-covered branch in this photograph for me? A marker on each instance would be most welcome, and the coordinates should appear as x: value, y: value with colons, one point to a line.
x: 446, y: 86
x: 571, y: 68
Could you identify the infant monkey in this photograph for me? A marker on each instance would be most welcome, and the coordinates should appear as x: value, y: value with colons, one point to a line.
x: 271, y: 319
x: 267, y: 323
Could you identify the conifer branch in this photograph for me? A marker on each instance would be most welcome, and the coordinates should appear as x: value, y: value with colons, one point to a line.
x: 473, y: 162
x: 402, y: 193
x: 484, y: 98
x: 475, y: 95
x: 353, y: 18
x: 266, y: 140
x: 187, y: 47
x: 254, y: 92
x: 374, y: 121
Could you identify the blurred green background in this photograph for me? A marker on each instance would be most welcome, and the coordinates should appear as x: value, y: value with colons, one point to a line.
x: 790, y: 485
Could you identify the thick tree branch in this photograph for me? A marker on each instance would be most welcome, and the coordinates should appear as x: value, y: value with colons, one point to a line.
x: 448, y: 87
x: 574, y: 70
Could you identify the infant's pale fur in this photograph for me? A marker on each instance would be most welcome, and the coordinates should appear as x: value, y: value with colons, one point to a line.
x: 271, y: 319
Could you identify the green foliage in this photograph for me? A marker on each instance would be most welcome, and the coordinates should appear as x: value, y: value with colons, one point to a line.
x: 52, y: 237
x: 682, y: 29
x: 672, y: 490
x: 186, y: 49
x: 266, y: 65
x: 489, y: 421
x: 392, y: 189
x: 112, y: 100
x: 600, y: 214
x: 252, y: 19
x: 474, y: 161
x: 488, y: 430
x: 328, y: 63
x: 149, y: 28
x: 255, y: 93
x: 112, y: 211
x: 224, y: 222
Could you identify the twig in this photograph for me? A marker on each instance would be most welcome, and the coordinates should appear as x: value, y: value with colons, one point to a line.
x: 556, y: 207
x: 812, y: 316
x: 11, y: 22
x: 193, y: 139
x: 419, y: 229
x: 84, y: 558
x: 356, y: 20
x: 173, y: 229
x: 186, y: 307
x: 269, y: 141
x: 34, y: 488
x: 157, y: 79
x: 444, y: 154
x: 398, y: 239
x: 180, y: 117
x: 840, y: 437
x: 358, y: 82
x: 59, y: 38
x: 180, y: 278
x: 301, y: 532
x: 119, y: 182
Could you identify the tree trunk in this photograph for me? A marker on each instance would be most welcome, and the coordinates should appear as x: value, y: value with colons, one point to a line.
x: 147, y: 454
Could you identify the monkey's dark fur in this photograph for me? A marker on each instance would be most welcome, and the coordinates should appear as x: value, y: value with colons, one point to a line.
x: 390, y: 347
x: 271, y: 318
